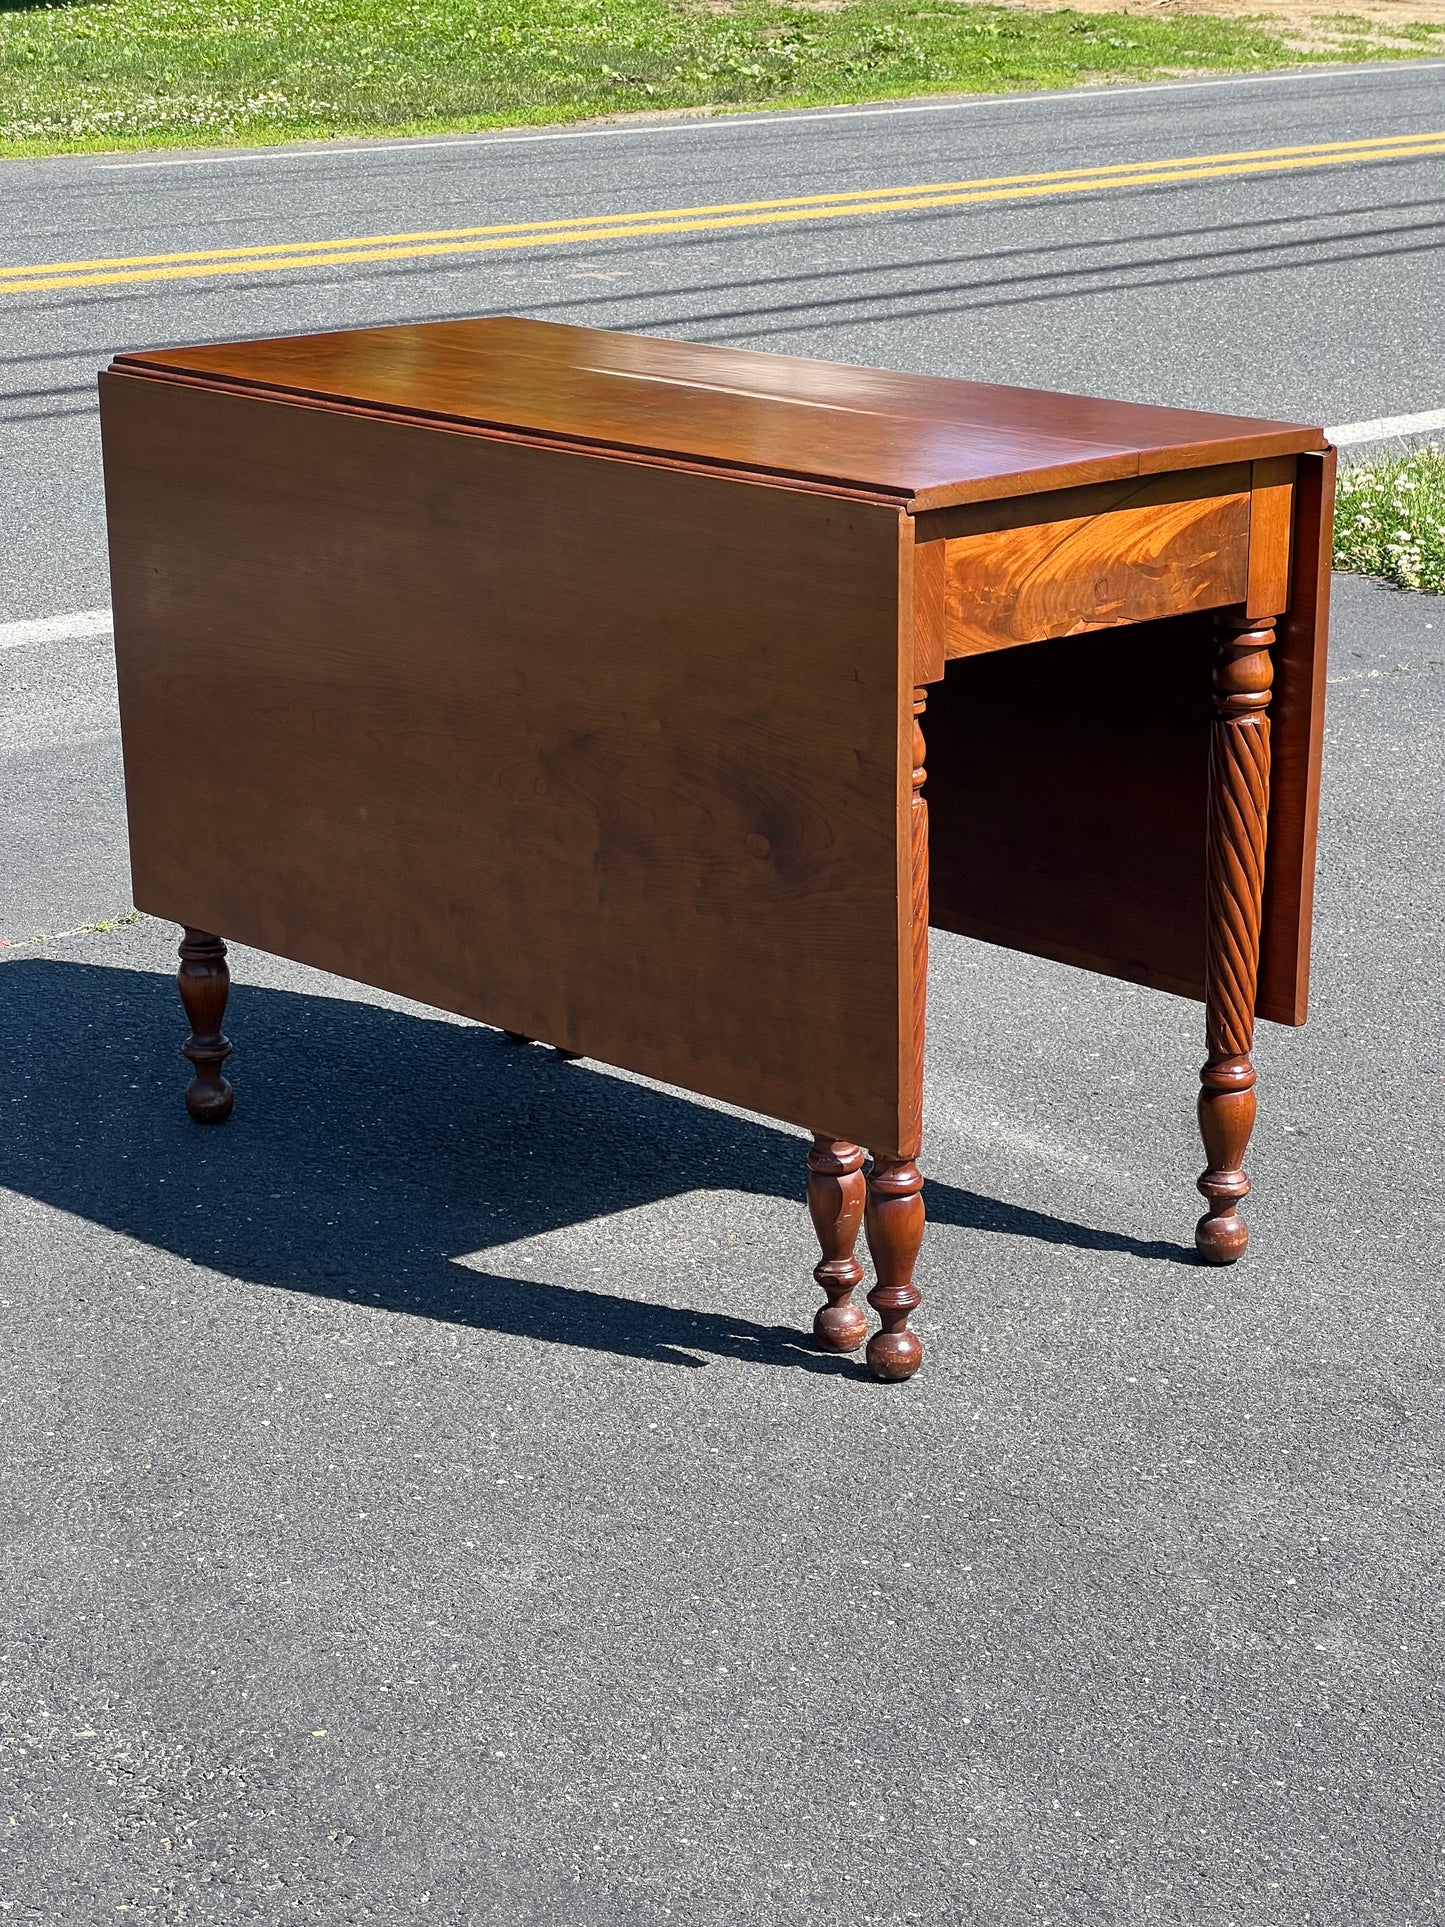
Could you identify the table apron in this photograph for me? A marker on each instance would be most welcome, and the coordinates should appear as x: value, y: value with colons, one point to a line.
x: 1082, y: 559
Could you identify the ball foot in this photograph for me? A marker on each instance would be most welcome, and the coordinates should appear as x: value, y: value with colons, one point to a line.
x: 894, y: 1355
x: 1222, y: 1240
x: 211, y: 1102
x: 840, y: 1328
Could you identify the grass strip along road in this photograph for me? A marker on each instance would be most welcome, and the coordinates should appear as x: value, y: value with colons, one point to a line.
x: 1390, y: 519
x: 128, y: 73
x: 277, y: 257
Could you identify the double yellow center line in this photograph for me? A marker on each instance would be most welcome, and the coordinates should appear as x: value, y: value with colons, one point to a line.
x: 282, y: 257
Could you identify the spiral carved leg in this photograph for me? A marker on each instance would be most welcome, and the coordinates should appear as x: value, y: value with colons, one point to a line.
x: 1235, y: 852
x: 894, y: 1221
x: 205, y: 984
x: 836, y: 1193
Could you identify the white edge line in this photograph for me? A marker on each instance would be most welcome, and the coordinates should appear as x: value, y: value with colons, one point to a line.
x: 84, y: 624
x: 1385, y: 427
x: 87, y: 624
x: 708, y: 123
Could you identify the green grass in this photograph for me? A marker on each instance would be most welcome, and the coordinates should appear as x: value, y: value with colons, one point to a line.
x: 127, y: 73
x: 1390, y: 519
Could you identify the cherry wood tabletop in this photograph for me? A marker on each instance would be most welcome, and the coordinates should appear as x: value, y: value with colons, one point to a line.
x: 926, y: 441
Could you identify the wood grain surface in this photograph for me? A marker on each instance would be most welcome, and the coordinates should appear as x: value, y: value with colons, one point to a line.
x: 1297, y: 724
x: 1271, y: 520
x: 604, y: 754
x: 1091, y: 558
x: 922, y: 438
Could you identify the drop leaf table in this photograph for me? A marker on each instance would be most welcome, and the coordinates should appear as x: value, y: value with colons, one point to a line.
x: 576, y: 682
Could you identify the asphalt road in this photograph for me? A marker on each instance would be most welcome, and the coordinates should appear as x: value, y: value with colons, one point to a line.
x: 418, y: 1503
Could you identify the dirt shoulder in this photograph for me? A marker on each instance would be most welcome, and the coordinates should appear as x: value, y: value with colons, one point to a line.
x: 1310, y: 26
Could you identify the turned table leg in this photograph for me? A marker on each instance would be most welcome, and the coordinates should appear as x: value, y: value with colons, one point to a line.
x: 894, y: 1216
x: 894, y: 1221
x: 836, y: 1193
x: 205, y: 984
x: 1234, y: 888
x: 890, y: 1199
